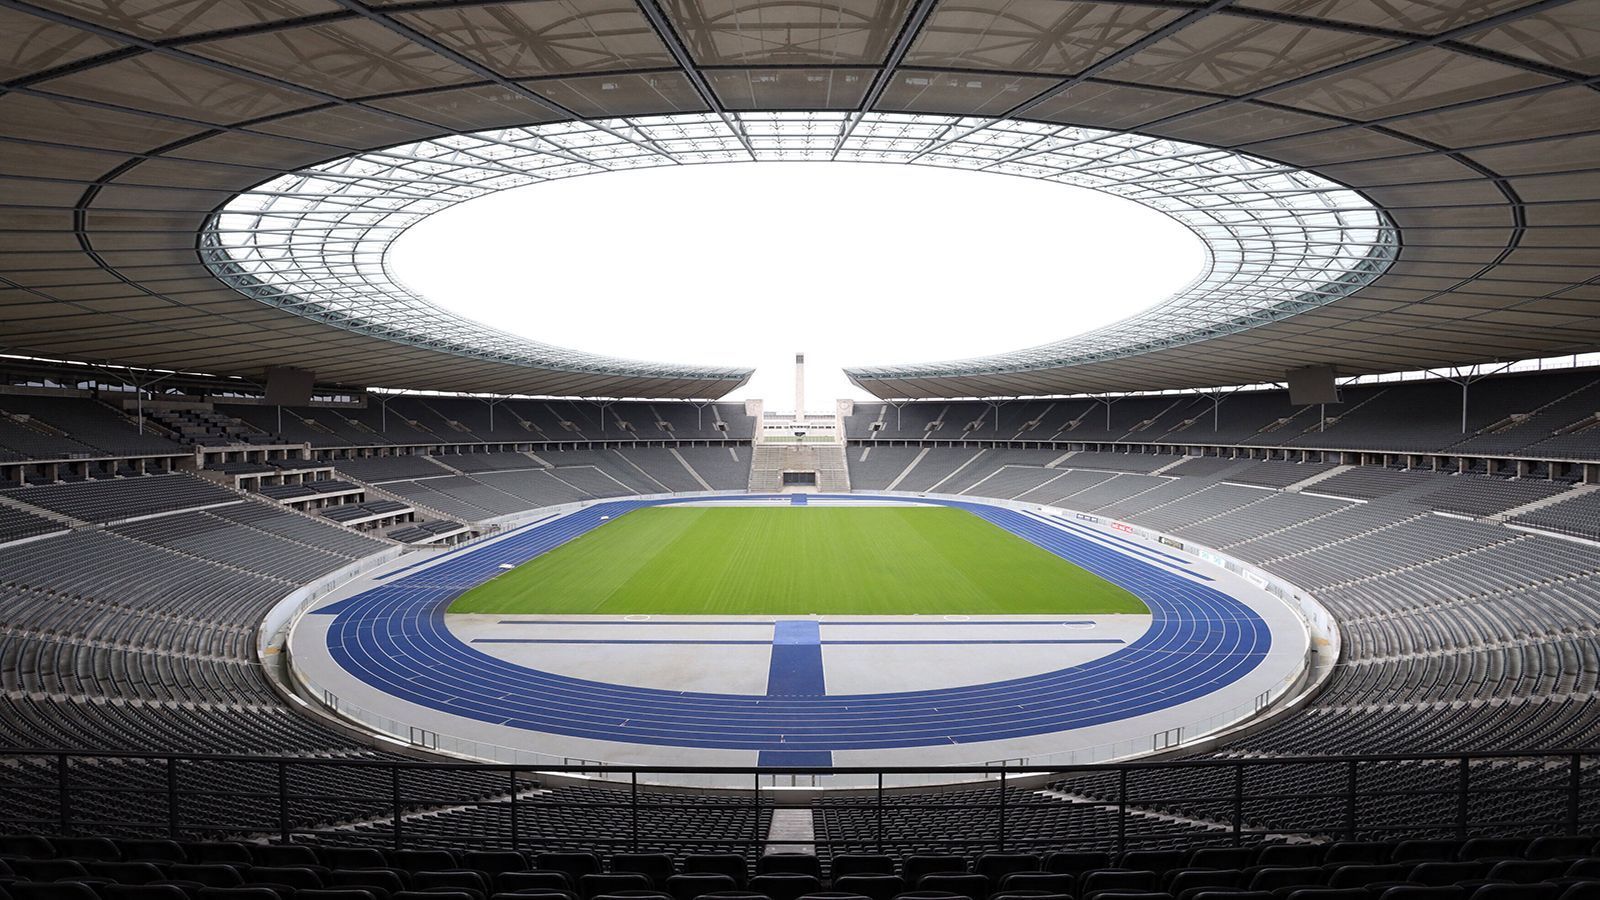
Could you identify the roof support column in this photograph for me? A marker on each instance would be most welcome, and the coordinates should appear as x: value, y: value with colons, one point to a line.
x: 1216, y: 398
x: 1108, y: 401
x: 493, y: 402
x: 139, y: 388
x: 1455, y: 376
x: 383, y: 410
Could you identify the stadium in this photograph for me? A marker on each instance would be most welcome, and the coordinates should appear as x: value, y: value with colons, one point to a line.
x: 1283, y: 586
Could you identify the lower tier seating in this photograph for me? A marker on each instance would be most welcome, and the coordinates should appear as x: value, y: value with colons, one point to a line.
x: 66, y: 868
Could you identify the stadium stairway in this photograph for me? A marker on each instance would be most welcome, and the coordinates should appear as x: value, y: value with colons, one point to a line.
x: 1542, y: 502
x: 1317, y: 478
x: 769, y: 462
x: 906, y: 472
x: 833, y: 470
x: 688, y: 468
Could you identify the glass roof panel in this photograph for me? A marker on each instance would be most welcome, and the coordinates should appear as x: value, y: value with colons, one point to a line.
x: 1280, y: 241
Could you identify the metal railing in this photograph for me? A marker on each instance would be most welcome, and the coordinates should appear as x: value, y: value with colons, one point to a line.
x: 399, y: 803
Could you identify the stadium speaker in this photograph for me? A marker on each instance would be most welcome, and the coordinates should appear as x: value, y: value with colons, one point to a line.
x: 1312, y: 385
x: 289, y: 387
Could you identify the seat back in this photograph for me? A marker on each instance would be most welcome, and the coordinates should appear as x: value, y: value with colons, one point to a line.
x: 1189, y: 879
x: 789, y: 863
x: 494, y: 862
x: 352, y: 858
x: 153, y: 850
x: 225, y: 852
x: 1436, y: 849
x: 878, y: 887
x: 1076, y: 862
x: 297, y: 877
x: 1273, y: 878
x: 1563, y: 846
x: 53, y: 890
x: 127, y: 872
x: 689, y: 885
x: 657, y: 867
x: 1359, y: 875
x: 1285, y: 856
x: 535, y: 880
x: 996, y: 866
x: 284, y: 855
x: 142, y: 892
x: 86, y: 848
x: 1424, y: 892
x: 1157, y: 861
x: 387, y: 880
x: 422, y: 860
x: 1493, y: 848
x: 915, y: 868
x: 1444, y: 873
x: 1538, y: 891
x: 576, y: 865
x: 239, y: 893
x: 1371, y: 852
x: 206, y: 874
x: 971, y: 886
x: 1526, y: 871
x: 861, y: 864
x: 785, y: 885
x: 729, y: 864
x: 1118, y: 880
x: 1327, y: 893
x: 1050, y: 882
x: 1222, y: 858
x: 26, y: 846
x: 611, y: 882
x: 41, y: 870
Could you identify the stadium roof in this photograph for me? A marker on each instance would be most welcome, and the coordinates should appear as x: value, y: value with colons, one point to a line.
x: 129, y: 131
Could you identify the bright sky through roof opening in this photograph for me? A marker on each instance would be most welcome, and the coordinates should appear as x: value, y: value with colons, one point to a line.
x: 747, y: 263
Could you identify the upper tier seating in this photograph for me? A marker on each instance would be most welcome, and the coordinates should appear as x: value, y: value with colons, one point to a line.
x: 60, y: 426
x: 413, y: 420
x: 109, y: 501
x: 378, y: 469
x: 1537, y: 414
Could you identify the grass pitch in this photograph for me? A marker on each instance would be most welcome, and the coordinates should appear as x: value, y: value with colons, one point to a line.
x: 797, y: 561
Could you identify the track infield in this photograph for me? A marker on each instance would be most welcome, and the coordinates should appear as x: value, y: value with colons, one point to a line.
x: 789, y: 561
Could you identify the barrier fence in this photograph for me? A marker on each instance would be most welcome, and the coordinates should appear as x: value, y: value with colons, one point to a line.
x: 403, y: 803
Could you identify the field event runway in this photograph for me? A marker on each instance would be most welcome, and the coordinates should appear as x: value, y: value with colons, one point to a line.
x: 801, y: 690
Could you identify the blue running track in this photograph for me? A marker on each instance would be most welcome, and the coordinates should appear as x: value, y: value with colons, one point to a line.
x: 393, y: 638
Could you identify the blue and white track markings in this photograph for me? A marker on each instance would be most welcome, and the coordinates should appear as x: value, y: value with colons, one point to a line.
x: 393, y: 639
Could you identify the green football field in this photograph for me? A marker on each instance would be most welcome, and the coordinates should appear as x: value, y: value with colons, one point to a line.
x: 797, y: 561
